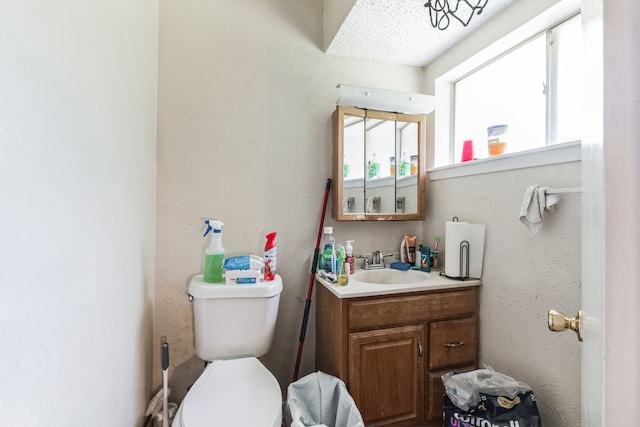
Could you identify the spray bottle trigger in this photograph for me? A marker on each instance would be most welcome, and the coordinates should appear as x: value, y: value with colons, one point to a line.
x: 209, y: 228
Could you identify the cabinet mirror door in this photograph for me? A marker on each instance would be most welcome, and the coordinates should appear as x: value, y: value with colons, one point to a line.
x: 378, y: 165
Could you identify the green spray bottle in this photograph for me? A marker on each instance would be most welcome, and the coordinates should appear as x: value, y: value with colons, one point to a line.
x: 214, y: 255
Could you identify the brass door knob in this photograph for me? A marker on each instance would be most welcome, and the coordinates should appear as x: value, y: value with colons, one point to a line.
x: 558, y: 322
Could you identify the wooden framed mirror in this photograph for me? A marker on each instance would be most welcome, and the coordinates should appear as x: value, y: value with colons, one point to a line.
x: 378, y: 165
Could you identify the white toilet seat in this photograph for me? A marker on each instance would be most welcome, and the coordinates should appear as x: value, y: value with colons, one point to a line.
x: 235, y: 392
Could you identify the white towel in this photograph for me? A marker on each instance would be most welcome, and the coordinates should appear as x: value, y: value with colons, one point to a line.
x: 535, y: 202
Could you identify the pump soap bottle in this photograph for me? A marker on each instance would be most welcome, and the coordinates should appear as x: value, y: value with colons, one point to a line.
x: 214, y: 255
x: 349, y: 259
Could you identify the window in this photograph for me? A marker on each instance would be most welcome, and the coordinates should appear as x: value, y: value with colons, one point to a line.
x: 509, y: 91
x: 533, y: 86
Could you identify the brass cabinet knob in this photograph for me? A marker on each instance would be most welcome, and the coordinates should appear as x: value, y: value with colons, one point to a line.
x: 558, y: 322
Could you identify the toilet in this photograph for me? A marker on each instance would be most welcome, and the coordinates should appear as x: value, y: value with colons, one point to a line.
x: 233, y: 325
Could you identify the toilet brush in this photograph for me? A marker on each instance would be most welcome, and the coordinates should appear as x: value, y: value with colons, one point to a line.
x: 154, y: 407
x: 165, y: 384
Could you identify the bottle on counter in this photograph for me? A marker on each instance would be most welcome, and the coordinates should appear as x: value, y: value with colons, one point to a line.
x: 349, y: 256
x: 425, y: 258
x: 328, y: 260
x: 343, y: 271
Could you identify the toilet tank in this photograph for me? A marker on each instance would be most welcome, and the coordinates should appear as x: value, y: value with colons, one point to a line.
x: 233, y: 321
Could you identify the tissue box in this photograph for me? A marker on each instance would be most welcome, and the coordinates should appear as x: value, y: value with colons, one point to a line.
x: 242, y: 277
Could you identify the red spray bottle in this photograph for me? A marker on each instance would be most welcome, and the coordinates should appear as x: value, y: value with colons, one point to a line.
x: 270, y: 251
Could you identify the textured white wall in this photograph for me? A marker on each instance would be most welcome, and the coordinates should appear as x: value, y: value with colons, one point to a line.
x: 77, y: 149
x: 246, y: 97
x: 524, y: 275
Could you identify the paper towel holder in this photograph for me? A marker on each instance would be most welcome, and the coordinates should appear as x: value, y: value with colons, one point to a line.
x: 465, y: 249
x: 465, y: 255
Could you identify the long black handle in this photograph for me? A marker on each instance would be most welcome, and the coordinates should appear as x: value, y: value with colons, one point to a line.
x: 305, y: 319
x: 165, y: 356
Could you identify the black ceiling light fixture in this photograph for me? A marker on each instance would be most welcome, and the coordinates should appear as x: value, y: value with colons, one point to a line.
x: 441, y: 11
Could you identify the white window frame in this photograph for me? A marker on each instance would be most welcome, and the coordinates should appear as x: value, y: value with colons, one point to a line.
x: 444, y: 166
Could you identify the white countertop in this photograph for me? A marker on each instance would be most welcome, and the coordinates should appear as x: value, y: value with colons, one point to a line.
x: 432, y: 281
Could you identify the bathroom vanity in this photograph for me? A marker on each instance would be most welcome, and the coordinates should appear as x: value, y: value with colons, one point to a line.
x: 391, y: 342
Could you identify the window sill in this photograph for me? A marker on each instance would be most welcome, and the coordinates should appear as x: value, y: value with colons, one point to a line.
x: 553, y: 154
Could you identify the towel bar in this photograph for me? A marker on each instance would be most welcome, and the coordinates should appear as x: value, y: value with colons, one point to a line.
x: 564, y: 190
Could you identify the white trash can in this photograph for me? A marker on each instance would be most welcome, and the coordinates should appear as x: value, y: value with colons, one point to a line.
x: 319, y: 400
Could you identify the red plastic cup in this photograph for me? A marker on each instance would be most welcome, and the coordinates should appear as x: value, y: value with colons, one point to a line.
x: 467, y: 150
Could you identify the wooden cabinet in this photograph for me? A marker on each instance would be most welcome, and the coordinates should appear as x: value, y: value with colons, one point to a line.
x: 385, y: 367
x: 392, y: 350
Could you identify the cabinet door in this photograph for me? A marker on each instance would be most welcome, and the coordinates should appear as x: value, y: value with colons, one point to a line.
x: 386, y: 375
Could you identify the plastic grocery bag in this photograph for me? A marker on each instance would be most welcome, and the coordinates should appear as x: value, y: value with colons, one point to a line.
x: 486, y: 397
x: 319, y: 399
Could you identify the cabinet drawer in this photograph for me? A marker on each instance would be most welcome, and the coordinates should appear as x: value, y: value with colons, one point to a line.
x: 398, y: 310
x: 453, y: 342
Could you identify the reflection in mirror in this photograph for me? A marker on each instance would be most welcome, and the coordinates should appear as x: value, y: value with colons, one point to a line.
x: 407, y: 170
x: 353, y: 163
x: 378, y: 170
x: 380, y: 151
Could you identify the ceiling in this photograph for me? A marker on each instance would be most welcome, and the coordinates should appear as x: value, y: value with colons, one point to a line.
x: 400, y: 31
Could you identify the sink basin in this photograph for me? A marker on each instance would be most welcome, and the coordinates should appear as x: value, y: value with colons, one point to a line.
x: 389, y: 276
x: 388, y: 281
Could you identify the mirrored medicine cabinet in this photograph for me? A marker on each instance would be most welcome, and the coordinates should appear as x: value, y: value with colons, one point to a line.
x: 378, y: 165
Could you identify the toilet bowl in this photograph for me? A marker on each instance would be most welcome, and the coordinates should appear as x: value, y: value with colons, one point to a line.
x: 237, y: 392
x: 233, y: 326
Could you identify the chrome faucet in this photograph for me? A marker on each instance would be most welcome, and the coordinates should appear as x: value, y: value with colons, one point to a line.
x: 377, y: 260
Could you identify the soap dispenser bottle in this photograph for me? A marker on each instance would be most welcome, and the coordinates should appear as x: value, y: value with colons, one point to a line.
x: 349, y: 258
x: 214, y: 255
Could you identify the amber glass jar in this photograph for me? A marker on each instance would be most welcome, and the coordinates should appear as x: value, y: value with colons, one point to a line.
x: 497, y: 139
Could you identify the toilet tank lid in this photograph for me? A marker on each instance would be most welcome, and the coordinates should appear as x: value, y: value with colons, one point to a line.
x: 198, y: 288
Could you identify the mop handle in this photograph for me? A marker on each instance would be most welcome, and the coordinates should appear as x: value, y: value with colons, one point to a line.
x: 314, y: 265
